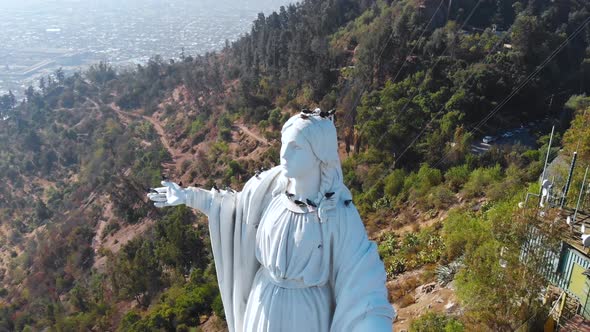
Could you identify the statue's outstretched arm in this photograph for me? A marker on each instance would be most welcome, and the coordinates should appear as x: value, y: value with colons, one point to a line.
x: 199, y: 198
x: 171, y: 194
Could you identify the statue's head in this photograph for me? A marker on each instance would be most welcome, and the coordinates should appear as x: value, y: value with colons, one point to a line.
x: 309, y: 141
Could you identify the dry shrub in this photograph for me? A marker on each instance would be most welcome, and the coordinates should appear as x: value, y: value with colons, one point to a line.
x: 429, y: 274
x: 379, y: 220
x: 405, y: 217
x: 371, y: 224
x: 402, y: 288
x: 407, y: 300
x: 416, y: 227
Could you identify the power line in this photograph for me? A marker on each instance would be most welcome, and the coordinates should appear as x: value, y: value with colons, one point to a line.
x: 520, y: 86
x: 524, y: 83
x: 416, y: 45
x: 381, y: 54
x: 438, y: 60
x: 434, y: 66
x: 424, y: 128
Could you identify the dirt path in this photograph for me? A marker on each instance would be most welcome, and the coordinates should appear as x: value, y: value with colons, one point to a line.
x: 165, y: 142
x: 251, y: 134
x: 157, y: 126
x: 178, y: 156
x: 95, y: 104
x: 118, y: 239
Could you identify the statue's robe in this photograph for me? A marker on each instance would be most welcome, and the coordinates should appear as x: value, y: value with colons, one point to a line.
x: 356, y: 273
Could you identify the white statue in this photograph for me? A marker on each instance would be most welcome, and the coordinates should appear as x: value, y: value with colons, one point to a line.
x: 291, y: 252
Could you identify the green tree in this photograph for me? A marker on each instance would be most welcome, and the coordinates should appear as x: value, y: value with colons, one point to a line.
x: 435, y: 322
x: 7, y: 103
x: 136, y: 272
x: 179, y: 244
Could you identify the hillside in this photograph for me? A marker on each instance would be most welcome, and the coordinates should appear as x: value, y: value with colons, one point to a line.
x: 415, y: 84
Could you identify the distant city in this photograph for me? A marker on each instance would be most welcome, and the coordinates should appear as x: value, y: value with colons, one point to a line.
x: 40, y: 36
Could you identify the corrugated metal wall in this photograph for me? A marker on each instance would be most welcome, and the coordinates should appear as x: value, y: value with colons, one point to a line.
x: 570, y: 257
x: 556, y: 265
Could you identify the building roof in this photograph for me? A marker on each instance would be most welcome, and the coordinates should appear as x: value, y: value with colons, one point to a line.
x: 573, y: 234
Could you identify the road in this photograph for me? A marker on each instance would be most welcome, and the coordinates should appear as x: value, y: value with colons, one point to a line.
x: 520, y: 136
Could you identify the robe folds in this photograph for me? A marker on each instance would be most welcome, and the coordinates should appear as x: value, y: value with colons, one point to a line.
x: 314, y: 276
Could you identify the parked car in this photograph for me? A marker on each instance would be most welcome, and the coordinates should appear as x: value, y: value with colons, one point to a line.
x: 488, y: 139
x: 507, y: 134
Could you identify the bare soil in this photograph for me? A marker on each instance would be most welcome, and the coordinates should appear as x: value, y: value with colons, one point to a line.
x: 428, y: 297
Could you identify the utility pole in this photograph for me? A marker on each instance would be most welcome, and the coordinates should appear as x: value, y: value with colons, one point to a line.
x: 580, y: 195
x: 569, y: 180
x: 547, y: 157
x: 449, y: 10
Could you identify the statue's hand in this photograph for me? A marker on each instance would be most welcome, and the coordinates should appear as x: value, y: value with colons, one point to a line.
x: 169, y: 195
